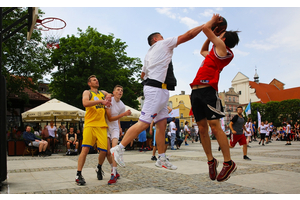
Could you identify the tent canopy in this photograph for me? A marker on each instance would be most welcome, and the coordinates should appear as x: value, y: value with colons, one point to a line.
x: 53, y: 110
x: 135, y: 114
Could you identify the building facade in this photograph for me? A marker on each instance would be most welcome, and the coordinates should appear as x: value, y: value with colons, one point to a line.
x: 230, y: 102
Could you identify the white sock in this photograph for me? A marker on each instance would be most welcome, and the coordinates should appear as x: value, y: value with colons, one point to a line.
x: 121, y: 146
x: 115, y: 171
x: 111, y: 165
x: 163, y: 155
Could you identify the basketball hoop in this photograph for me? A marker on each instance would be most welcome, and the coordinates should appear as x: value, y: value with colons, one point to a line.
x: 53, y: 29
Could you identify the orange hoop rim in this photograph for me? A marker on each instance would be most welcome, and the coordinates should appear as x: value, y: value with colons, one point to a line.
x: 43, y: 23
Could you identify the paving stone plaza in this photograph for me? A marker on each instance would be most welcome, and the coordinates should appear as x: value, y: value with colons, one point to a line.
x: 274, y: 169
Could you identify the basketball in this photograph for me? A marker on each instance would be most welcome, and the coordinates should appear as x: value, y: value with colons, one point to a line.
x: 221, y: 26
x: 72, y: 139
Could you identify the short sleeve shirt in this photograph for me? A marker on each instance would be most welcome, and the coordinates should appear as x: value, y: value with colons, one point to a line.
x: 238, y: 123
x: 157, y: 59
x: 172, y: 125
x: 115, y: 109
x: 51, y: 131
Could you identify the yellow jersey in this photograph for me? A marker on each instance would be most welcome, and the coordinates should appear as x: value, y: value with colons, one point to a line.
x: 95, y: 115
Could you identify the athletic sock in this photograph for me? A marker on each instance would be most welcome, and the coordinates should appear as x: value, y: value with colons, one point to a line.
x: 229, y: 162
x: 162, y: 155
x: 121, y: 146
x: 78, y: 173
x: 114, y: 171
x: 211, y: 160
x: 99, y: 166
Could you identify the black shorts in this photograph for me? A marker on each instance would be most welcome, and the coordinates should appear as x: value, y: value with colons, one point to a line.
x: 206, y: 104
x: 262, y: 136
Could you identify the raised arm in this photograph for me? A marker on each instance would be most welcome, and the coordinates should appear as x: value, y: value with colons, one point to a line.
x: 213, y: 37
x: 189, y: 35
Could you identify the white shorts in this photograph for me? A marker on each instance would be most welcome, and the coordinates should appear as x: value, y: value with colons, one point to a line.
x: 247, y: 134
x: 113, y: 133
x: 155, y: 104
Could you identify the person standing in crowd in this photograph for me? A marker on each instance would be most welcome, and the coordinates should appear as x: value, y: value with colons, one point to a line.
x: 262, y: 129
x: 248, y: 131
x: 193, y: 133
x: 254, y: 135
x: 288, y: 133
x: 270, y: 132
x: 173, y: 130
x: 186, y: 132
x: 52, y: 138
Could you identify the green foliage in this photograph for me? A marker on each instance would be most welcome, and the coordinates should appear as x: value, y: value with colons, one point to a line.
x: 22, y: 58
x: 276, y: 112
x: 93, y: 53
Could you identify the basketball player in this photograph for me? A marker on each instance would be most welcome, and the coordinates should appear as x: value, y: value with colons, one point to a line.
x: 156, y: 94
x: 95, y: 126
x: 113, y: 115
x: 206, y: 105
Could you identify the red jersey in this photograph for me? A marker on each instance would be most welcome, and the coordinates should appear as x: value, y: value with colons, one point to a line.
x: 211, y: 67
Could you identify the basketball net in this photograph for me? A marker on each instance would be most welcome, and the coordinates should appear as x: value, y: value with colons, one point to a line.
x: 52, y: 30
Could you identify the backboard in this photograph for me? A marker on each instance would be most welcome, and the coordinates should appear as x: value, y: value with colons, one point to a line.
x: 33, y: 15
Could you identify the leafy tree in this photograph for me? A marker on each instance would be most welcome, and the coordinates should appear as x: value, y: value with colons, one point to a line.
x: 25, y: 62
x: 277, y: 112
x: 93, y: 53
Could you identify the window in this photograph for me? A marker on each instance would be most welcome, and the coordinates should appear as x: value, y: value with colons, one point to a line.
x: 240, y: 92
x: 181, y: 115
x: 229, y: 98
x: 233, y: 99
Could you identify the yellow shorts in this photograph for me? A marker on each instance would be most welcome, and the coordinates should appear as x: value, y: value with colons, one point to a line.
x: 91, y: 135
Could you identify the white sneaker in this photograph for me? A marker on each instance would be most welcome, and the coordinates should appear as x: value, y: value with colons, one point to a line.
x: 117, y: 153
x: 163, y: 162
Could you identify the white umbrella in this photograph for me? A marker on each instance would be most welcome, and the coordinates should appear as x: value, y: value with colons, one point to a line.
x: 135, y: 114
x: 53, y: 110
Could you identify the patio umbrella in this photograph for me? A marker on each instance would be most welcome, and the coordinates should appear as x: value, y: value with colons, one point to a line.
x: 135, y: 114
x: 55, y: 110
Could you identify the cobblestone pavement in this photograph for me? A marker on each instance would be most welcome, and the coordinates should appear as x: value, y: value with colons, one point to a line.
x: 274, y: 169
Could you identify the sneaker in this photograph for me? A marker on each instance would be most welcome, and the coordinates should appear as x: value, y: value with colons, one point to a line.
x: 212, y: 166
x: 226, y: 171
x: 246, y: 158
x: 79, y: 180
x: 154, y: 158
x: 248, y: 146
x: 263, y: 144
x: 186, y: 144
x: 113, y: 179
x: 173, y: 148
x: 118, y: 155
x: 259, y: 143
x: 100, y: 173
x: 163, y: 162
x: 118, y: 175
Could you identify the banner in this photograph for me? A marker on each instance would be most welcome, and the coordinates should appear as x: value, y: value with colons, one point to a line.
x: 174, y: 113
x: 258, y: 118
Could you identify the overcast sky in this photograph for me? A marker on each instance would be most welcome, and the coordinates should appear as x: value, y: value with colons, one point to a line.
x: 269, y: 37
